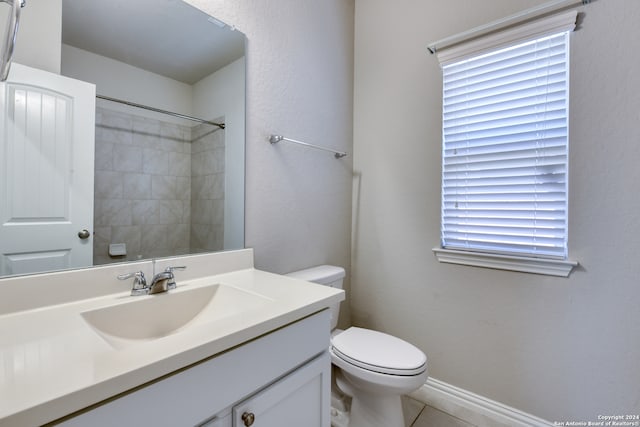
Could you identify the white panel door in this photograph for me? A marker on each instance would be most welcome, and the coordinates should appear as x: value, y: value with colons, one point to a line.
x: 47, y: 132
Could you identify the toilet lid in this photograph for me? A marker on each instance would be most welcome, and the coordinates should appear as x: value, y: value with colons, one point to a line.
x: 379, y: 352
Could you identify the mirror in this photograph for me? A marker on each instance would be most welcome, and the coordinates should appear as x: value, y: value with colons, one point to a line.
x: 164, y: 184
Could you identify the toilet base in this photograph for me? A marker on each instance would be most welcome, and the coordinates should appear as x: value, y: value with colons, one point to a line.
x: 371, y: 409
x: 339, y: 418
x: 376, y: 411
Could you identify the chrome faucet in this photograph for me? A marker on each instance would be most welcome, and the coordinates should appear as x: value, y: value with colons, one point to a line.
x: 162, y: 282
x: 139, y: 282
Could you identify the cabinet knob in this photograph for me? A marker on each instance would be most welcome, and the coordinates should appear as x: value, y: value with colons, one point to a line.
x: 248, y: 418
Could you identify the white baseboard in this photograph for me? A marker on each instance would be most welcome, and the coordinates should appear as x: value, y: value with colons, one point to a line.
x: 472, y: 408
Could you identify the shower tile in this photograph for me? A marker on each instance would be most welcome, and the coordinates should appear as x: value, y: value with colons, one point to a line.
x: 198, y: 164
x: 113, y: 212
x: 186, y: 133
x: 181, y: 251
x: 99, y: 113
x: 178, y: 236
x: 115, y: 135
x: 198, y: 130
x: 127, y: 158
x: 115, y: 119
x: 218, y: 138
x: 163, y: 187
x: 186, y: 211
x: 205, y: 237
x: 146, y: 125
x: 131, y: 236
x: 139, y: 158
x: 103, y: 259
x: 215, y: 160
x: 158, y: 212
x: 108, y: 185
x: 215, y: 240
x: 201, y: 211
x: 217, y: 212
x: 208, y: 139
x: 155, y: 162
x: 154, y: 238
x: 183, y: 188
x: 197, y: 146
x: 101, y: 240
x: 145, y: 212
x: 103, y: 156
x: 200, y: 234
x: 146, y: 140
x: 172, y: 131
x: 100, y: 134
x: 171, y: 212
x: 171, y: 145
x: 136, y: 186
x: 179, y: 164
x: 198, y: 187
x: 214, y: 186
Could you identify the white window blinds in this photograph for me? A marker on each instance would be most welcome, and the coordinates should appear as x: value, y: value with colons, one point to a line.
x: 505, y: 136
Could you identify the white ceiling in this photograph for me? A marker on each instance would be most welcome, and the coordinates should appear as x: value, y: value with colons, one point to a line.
x: 167, y: 37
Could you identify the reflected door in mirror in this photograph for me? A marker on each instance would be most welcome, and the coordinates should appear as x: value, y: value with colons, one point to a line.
x: 46, y: 166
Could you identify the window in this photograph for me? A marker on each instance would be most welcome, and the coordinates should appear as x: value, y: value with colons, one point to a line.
x: 505, y: 156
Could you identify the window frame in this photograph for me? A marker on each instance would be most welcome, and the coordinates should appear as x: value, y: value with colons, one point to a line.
x: 547, y: 265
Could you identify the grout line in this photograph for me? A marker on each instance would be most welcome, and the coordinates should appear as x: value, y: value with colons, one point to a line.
x: 415, y: 420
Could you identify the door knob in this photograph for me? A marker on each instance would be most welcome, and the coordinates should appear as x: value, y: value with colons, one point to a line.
x: 84, y: 234
x: 248, y: 418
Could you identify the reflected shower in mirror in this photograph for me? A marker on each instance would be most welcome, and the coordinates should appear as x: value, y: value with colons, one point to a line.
x: 165, y: 184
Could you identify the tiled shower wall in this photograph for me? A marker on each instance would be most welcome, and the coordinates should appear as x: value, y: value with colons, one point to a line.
x: 207, y: 189
x: 144, y: 185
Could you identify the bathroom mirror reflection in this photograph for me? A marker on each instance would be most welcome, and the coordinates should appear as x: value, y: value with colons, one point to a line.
x: 164, y: 184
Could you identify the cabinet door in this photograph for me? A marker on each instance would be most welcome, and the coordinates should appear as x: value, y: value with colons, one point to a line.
x: 217, y: 421
x: 299, y: 399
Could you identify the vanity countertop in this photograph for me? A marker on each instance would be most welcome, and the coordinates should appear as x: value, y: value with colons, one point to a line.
x: 53, y: 363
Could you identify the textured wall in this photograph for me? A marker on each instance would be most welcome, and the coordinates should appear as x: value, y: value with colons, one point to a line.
x: 38, y: 43
x: 562, y: 349
x: 299, y: 84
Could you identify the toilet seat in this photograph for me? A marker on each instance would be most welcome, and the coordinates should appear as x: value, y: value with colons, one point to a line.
x: 378, y: 352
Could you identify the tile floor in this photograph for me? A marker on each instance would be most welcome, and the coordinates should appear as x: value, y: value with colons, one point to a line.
x: 417, y: 414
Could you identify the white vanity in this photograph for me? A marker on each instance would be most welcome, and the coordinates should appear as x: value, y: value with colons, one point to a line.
x: 231, y: 346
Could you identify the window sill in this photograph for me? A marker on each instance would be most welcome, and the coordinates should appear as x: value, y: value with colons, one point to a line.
x: 550, y: 267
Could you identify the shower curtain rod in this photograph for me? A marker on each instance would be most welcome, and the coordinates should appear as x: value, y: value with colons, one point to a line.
x: 157, y: 110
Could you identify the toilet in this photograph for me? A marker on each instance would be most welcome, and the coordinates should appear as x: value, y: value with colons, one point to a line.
x: 371, y: 367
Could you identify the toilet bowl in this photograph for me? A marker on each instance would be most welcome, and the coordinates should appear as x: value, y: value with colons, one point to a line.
x: 373, y: 368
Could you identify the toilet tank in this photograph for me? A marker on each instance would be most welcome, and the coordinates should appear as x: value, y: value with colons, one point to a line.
x: 328, y: 275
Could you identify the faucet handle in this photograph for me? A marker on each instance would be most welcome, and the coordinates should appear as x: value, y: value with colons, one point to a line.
x: 139, y: 282
x: 171, y: 284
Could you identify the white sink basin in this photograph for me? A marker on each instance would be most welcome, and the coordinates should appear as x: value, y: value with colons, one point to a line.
x: 156, y: 316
